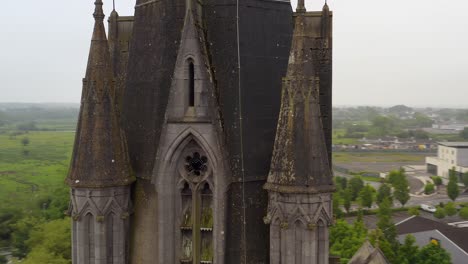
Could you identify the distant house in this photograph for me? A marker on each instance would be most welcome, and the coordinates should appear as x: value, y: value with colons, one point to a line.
x: 368, y: 254
x: 449, y: 155
x: 451, y: 238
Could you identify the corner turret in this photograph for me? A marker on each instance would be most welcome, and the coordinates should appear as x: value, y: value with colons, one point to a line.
x: 100, y: 156
x: 100, y: 174
x: 300, y: 182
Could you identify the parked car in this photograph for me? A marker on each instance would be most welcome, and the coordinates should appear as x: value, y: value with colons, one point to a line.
x: 428, y: 208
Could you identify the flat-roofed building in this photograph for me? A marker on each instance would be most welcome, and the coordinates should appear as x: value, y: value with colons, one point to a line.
x: 450, y: 155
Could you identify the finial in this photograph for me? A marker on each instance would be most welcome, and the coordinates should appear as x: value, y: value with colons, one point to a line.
x: 98, y: 12
x: 113, y: 5
x: 325, y: 7
x: 300, y: 6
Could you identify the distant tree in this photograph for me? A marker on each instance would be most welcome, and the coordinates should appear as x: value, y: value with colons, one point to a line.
x: 408, y: 251
x: 384, y: 223
x: 439, y: 213
x: 400, y: 184
x: 437, y: 180
x: 346, y: 239
x: 450, y: 209
x: 29, y: 126
x: 452, y: 187
x: 433, y: 253
x: 356, y: 131
x: 341, y: 183
x: 385, y: 191
x: 419, y: 134
x: 461, y: 115
x: 413, y: 211
x: 464, y: 133
x: 429, y: 188
x: 336, y: 207
x: 347, y: 197
x: 355, y: 185
x: 421, y: 120
x: 384, y: 125
x: 25, y: 141
x: 464, y: 213
x: 8, y: 216
x: 344, y: 183
x: 366, y: 195
x: 21, y: 234
x: 400, y: 109
x: 465, y: 179
x: 50, y: 243
x: 395, y: 176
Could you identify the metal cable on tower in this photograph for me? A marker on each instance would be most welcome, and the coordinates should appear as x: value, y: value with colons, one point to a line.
x: 239, y: 79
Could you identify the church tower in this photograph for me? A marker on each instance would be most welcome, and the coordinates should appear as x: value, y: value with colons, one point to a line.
x: 300, y: 183
x: 194, y: 89
x: 100, y: 174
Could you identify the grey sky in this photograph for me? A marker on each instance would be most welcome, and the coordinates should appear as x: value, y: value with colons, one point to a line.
x: 386, y: 52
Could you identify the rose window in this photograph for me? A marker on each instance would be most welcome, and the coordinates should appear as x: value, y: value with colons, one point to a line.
x: 196, y: 164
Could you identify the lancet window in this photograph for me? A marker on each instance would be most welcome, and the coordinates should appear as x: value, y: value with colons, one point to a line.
x: 191, y: 83
x: 90, y: 249
x: 196, y: 218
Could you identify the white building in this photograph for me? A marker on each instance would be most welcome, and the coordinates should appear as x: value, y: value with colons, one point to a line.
x: 449, y: 155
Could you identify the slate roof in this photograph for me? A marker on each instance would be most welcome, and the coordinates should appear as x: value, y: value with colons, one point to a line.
x: 265, y: 40
x: 367, y: 254
x: 420, y: 224
x: 100, y: 157
x: 300, y: 159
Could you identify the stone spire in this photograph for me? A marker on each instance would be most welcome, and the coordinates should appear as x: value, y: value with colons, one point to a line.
x: 300, y: 6
x: 100, y: 157
x: 300, y: 158
x: 300, y: 183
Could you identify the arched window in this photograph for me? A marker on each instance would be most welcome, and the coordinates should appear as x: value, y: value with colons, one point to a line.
x: 191, y: 83
x: 275, y: 234
x: 110, y: 238
x: 196, y: 242
x: 186, y: 225
x: 206, y: 224
x: 321, y: 242
x: 299, y: 230
x: 89, y: 251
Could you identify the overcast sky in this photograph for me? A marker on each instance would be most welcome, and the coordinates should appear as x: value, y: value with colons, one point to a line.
x: 386, y: 52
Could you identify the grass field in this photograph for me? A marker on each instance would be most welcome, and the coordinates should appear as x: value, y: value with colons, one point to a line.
x: 370, y: 157
x: 31, y: 171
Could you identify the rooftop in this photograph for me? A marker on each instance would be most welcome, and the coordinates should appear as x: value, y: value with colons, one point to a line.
x: 454, y: 144
x: 367, y: 254
x: 418, y: 224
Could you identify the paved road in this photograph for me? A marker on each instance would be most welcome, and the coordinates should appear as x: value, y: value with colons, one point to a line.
x: 435, y: 200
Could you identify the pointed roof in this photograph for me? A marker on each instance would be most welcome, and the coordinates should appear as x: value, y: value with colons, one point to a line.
x: 100, y: 157
x: 367, y: 254
x: 300, y: 158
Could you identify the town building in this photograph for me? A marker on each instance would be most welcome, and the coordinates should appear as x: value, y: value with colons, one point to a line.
x: 450, y: 156
x: 451, y: 238
x: 204, y: 135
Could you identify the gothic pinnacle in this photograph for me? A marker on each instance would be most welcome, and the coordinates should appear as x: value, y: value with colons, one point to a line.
x: 98, y: 12
x: 300, y: 6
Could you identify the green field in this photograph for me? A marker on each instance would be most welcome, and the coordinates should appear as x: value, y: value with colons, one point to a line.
x: 371, y: 157
x: 28, y: 172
